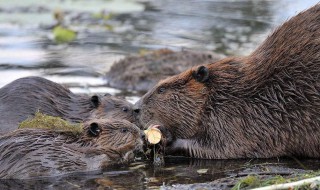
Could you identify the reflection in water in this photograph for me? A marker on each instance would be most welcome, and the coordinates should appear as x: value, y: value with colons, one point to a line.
x: 18, y: 48
x: 220, y: 26
x: 142, y: 175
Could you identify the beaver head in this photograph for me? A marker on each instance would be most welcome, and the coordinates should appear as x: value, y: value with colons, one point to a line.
x: 119, y: 137
x: 32, y: 152
x: 176, y: 102
x: 108, y: 106
x: 181, y: 103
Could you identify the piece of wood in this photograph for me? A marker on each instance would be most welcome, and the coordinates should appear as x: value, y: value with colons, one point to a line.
x: 153, y: 134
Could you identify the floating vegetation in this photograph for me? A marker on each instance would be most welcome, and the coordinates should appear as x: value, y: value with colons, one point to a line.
x: 102, y: 15
x: 305, y: 181
x: 63, y: 35
x: 42, y: 121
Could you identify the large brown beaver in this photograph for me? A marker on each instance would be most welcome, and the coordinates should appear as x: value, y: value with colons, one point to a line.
x: 263, y: 105
x: 23, y: 97
x: 27, y: 153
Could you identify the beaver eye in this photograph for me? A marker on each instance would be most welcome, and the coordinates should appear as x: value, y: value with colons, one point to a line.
x: 124, y: 130
x: 125, y: 109
x: 161, y: 90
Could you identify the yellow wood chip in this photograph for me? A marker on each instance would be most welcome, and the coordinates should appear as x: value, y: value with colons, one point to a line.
x: 153, y: 134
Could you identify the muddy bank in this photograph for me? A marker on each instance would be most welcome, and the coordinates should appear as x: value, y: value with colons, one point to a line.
x: 141, y: 72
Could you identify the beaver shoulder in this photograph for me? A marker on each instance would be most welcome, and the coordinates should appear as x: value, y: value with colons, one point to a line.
x: 27, y: 153
x: 24, y: 97
x: 264, y: 105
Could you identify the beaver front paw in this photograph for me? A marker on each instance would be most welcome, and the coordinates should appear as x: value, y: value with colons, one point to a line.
x: 167, y: 138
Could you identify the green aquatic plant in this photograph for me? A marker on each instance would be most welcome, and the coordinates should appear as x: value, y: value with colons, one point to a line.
x: 63, y: 35
x: 105, y: 17
x: 248, y: 182
x: 256, y: 181
x: 102, y: 15
x: 42, y: 121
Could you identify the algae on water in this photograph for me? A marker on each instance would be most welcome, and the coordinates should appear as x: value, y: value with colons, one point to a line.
x: 63, y: 35
x: 248, y: 182
x: 42, y: 121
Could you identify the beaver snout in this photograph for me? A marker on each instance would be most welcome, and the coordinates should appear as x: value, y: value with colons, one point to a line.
x: 137, y: 107
x: 136, y: 111
x: 142, y: 135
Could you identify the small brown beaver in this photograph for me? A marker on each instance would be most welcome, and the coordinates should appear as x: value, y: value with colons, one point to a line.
x: 23, y: 97
x: 263, y: 105
x: 27, y: 153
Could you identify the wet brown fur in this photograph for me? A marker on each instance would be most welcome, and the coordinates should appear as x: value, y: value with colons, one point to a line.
x: 263, y: 105
x: 23, y: 97
x: 28, y: 153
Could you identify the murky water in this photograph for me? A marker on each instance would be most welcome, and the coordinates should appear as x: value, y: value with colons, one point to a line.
x: 228, y: 27
x: 143, y: 175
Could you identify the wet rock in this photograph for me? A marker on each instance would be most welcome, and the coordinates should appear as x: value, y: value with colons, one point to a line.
x: 142, y: 72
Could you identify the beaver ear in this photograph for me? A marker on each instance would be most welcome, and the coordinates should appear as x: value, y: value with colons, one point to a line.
x: 95, y: 100
x: 201, y: 74
x: 94, y: 130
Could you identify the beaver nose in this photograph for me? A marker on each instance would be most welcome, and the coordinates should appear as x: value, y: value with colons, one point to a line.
x: 142, y: 135
x: 136, y: 107
x: 136, y: 110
